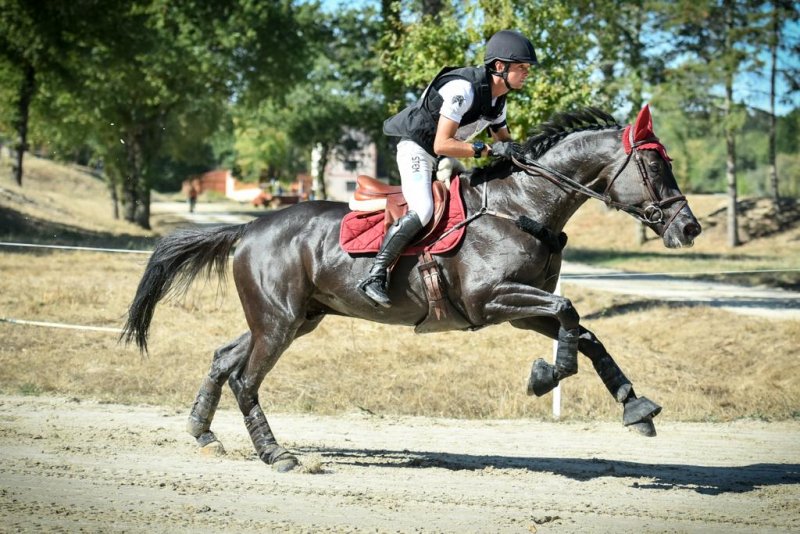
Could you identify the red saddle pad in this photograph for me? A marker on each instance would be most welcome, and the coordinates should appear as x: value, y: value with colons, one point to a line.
x: 362, y: 231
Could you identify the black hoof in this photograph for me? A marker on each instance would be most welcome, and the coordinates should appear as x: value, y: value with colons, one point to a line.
x: 280, y: 459
x: 285, y: 464
x: 645, y: 427
x: 543, y: 378
x: 640, y: 409
x: 206, y: 438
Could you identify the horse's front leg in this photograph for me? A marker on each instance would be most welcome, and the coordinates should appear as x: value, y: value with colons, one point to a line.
x: 514, y: 301
x: 638, y: 412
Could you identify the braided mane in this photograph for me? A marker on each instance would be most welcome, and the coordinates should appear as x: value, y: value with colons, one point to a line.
x: 544, y: 136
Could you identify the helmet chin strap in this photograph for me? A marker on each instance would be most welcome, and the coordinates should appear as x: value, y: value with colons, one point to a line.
x: 504, y: 74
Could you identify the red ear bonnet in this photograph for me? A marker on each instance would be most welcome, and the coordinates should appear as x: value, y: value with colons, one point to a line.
x: 641, y: 135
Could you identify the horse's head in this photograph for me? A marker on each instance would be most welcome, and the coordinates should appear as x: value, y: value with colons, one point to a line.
x: 643, y: 185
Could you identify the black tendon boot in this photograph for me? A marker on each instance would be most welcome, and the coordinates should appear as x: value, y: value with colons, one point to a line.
x: 397, y: 238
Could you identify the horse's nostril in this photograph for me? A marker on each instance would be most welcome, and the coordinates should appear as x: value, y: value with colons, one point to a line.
x: 692, y: 230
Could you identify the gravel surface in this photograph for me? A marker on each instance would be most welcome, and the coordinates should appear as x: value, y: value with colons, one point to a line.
x: 72, y: 465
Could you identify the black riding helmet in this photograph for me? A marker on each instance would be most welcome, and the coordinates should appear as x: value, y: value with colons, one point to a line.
x: 509, y: 47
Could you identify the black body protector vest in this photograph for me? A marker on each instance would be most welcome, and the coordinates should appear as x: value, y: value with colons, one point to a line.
x: 418, y: 122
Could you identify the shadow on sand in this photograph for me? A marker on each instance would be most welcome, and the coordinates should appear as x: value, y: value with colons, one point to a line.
x: 707, y: 480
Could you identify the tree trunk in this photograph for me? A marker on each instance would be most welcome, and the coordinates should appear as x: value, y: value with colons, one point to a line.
x: 143, y: 206
x: 130, y: 180
x: 730, y: 134
x: 319, y: 179
x: 730, y: 175
x: 773, y: 168
x: 112, y: 186
x: 730, y: 167
x: 129, y: 197
x: 26, y: 91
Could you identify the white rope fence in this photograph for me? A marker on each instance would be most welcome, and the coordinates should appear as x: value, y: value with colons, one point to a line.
x: 84, y: 249
x: 61, y: 325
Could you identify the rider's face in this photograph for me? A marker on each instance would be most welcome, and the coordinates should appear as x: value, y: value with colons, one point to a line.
x: 517, y: 74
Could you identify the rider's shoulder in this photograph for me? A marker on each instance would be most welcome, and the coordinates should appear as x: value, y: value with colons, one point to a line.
x: 457, y: 87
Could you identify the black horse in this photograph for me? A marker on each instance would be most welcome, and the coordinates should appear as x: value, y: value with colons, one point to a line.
x: 290, y: 270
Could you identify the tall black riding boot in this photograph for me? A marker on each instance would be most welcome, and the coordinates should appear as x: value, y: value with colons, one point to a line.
x: 397, y: 238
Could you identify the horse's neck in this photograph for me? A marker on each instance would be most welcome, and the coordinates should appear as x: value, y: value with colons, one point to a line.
x: 584, y: 157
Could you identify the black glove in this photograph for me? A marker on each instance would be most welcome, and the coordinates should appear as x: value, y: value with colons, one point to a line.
x: 506, y: 150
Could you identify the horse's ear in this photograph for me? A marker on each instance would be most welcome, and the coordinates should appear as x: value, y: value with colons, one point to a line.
x: 643, y: 127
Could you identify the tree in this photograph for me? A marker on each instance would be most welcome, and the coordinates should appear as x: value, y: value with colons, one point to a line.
x: 714, y: 36
x: 340, y: 98
x: 782, y: 13
x: 424, y: 44
x: 627, y: 63
x: 37, y: 39
x: 161, y: 84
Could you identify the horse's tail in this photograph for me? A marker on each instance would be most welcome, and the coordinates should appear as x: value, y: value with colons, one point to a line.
x: 177, y: 259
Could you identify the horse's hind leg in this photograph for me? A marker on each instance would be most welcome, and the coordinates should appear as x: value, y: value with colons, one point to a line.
x: 638, y: 412
x: 274, y: 325
x: 264, y: 351
x: 226, y: 359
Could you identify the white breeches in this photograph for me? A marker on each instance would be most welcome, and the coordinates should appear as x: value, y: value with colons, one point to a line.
x: 416, y: 170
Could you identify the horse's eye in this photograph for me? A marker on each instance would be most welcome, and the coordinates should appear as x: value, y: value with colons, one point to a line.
x: 653, y: 166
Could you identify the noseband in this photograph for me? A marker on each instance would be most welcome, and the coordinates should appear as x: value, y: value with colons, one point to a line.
x: 652, y: 213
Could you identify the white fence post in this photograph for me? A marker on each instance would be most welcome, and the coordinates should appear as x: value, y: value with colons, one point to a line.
x: 557, y: 390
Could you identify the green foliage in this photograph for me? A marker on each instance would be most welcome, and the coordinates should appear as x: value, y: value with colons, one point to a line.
x: 788, y: 133
x: 156, y: 90
x: 421, y: 46
x: 262, y: 147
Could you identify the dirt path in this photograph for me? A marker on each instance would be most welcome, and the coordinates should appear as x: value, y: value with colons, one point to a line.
x: 774, y: 303
x: 72, y: 465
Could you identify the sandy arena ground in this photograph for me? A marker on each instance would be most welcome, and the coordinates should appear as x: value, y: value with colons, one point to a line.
x: 71, y: 465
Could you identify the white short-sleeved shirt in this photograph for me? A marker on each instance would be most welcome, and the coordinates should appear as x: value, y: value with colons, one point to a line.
x: 458, y: 96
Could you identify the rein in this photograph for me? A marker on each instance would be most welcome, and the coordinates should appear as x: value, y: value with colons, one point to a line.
x: 652, y: 213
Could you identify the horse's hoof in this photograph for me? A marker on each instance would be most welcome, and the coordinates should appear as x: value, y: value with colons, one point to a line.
x: 208, y: 445
x: 543, y: 378
x: 214, y: 448
x: 645, y: 427
x: 285, y: 464
x: 640, y: 409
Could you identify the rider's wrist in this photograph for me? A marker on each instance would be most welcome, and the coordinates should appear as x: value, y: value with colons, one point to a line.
x: 478, y: 148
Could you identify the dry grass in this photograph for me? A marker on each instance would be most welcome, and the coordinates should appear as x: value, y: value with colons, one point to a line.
x: 700, y: 363
x: 605, y: 237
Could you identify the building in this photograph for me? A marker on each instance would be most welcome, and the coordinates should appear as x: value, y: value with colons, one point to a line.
x: 342, y: 169
x: 223, y: 182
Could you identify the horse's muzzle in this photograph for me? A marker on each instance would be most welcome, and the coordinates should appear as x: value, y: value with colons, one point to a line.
x: 682, y: 230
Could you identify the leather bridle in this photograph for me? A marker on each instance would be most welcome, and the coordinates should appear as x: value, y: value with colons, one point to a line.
x: 652, y: 213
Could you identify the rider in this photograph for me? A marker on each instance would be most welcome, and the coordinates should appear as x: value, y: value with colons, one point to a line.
x: 455, y: 108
